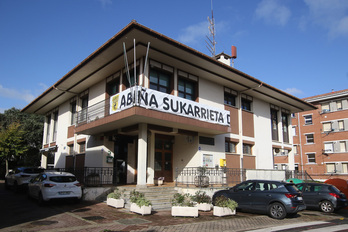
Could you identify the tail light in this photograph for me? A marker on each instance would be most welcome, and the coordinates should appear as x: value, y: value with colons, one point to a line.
x: 335, y: 195
x: 78, y: 184
x: 49, y: 185
x: 289, y: 195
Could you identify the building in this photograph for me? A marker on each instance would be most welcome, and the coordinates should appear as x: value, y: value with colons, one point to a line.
x: 182, y: 109
x: 321, y: 137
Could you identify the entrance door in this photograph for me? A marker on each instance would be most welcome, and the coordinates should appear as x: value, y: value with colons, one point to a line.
x: 120, y: 160
x: 164, y: 157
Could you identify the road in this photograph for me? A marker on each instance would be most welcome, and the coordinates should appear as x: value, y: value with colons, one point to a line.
x: 18, y: 213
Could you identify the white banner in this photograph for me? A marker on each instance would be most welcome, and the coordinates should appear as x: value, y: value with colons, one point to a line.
x: 152, y: 99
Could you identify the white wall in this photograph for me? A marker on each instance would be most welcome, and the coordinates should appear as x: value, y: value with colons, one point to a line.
x: 263, y: 137
x: 211, y: 94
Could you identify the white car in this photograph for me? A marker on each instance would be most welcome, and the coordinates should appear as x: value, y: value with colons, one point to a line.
x: 20, y: 177
x: 54, y: 185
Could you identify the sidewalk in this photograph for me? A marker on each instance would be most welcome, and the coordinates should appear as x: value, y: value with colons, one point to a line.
x: 97, y: 216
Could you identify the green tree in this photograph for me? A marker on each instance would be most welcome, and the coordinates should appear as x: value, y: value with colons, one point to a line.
x: 12, y: 143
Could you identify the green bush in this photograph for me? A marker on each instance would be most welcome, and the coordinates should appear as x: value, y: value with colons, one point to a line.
x: 223, y: 201
x: 182, y: 200
x: 139, y: 199
x: 201, y: 197
x: 117, y: 194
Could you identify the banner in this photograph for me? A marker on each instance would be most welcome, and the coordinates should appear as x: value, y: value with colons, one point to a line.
x: 155, y: 100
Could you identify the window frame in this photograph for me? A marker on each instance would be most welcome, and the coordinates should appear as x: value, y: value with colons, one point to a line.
x: 229, y: 145
x: 311, y: 158
x: 307, y: 140
x: 308, y: 119
x: 186, y: 81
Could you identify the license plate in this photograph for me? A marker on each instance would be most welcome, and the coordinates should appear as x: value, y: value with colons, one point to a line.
x: 64, y: 193
x: 300, y: 198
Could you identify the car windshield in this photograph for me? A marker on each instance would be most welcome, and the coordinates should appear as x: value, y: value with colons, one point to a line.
x: 33, y: 170
x: 62, y: 179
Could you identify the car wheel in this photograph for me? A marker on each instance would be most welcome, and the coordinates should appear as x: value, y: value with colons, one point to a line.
x: 277, y: 211
x: 326, y: 207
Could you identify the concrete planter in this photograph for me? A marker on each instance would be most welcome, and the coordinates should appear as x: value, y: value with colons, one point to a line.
x: 204, y: 206
x: 223, y: 211
x: 140, y: 210
x: 117, y: 203
x: 184, y: 211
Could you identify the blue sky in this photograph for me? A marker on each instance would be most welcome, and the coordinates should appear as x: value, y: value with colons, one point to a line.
x: 299, y: 46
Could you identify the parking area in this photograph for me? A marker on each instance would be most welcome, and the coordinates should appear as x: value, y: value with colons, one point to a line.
x: 22, y: 214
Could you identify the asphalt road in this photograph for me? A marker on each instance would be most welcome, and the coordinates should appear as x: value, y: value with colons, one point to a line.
x: 18, y: 213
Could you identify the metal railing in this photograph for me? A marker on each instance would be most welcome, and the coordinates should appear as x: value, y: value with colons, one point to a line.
x: 93, y: 112
x: 205, y: 177
x: 92, y: 177
x: 298, y: 175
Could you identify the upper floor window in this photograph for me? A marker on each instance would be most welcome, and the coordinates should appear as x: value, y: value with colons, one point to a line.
x: 55, y: 125
x: 274, y: 124
x: 294, y: 131
x: 130, y: 81
x: 160, y: 81
x: 343, y: 147
x: 247, y: 102
x: 230, y: 147
x: 328, y: 147
x: 187, y: 89
x: 327, y: 126
x: 247, y: 149
x: 325, y: 107
x: 309, y: 138
x: 311, y: 158
x: 341, y: 125
x: 48, y: 128
x: 339, y: 105
x: 112, y: 87
x: 82, y: 147
x: 285, y: 125
x: 308, y: 119
x: 230, y: 97
x: 73, y: 112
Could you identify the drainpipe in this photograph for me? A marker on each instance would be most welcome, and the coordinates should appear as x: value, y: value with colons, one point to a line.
x: 300, y: 141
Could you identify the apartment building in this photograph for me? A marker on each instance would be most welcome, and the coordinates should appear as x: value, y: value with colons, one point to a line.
x: 321, y: 137
x: 145, y: 105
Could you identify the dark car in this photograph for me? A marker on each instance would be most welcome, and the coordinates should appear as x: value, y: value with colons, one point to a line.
x: 278, y: 199
x: 325, y: 197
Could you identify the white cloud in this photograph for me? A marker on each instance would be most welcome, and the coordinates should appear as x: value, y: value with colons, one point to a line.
x: 8, y: 93
x: 194, y: 33
x: 331, y: 15
x: 271, y: 11
x: 293, y: 91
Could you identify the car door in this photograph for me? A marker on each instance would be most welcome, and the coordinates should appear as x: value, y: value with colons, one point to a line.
x: 310, y: 194
x: 34, y: 186
x: 260, y: 196
x: 242, y: 194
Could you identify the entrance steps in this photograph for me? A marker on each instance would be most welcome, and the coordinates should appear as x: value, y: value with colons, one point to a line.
x: 159, y: 196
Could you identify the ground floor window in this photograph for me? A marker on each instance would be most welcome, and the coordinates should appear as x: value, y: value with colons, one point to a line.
x: 50, y: 160
x: 247, y: 149
x: 230, y: 147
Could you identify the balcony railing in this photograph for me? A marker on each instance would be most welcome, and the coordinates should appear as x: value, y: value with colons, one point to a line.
x: 93, y: 112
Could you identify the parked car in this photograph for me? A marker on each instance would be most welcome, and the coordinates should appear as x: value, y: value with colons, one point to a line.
x: 19, y: 177
x: 54, y: 185
x: 324, y: 197
x: 278, y: 199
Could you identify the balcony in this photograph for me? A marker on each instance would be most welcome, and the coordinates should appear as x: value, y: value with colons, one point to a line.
x: 140, y: 105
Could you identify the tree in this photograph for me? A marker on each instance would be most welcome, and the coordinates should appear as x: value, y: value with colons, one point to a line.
x: 32, y: 127
x: 12, y: 143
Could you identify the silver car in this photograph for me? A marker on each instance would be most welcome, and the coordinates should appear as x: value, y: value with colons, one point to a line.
x: 20, y: 177
x: 54, y: 185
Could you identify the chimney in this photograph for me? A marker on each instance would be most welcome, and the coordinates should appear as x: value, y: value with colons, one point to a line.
x: 226, y: 59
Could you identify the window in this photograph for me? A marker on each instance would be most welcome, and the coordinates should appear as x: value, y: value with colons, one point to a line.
x: 311, y: 158
x: 247, y: 149
x: 328, y: 148
x: 131, y: 82
x: 206, y: 140
x: 230, y: 147
x: 276, y: 166
x: 344, y: 167
x: 343, y: 146
x: 71, y: 149
x: 73, y: 112
x: 230, y: 97
x: 330, y: 168
x: 82, y: 147
x: 339, y: 105
x: 274, y: 125
x: 246, y: 102
x: 186, y: 89
x: 285, y: 125
x: 84, y: 106
x: 309, y: 138
x: 295, y: 149
x: 160, y: 81
x: 112, y: 87
x: 50, y: 160
x: 296, y: 167
x: 341, y: 125
x: 325, y: 107
x: 308, y: 119
x: 48, y: 128
x: 327, y: 126
x: 293, y: 131
x: 55, y: 125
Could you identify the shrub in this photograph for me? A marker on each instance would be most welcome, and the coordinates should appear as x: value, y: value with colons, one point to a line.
x: 117, y: 194
x: 139, y: 198
x: 182, y: 200
x: 223, y: 201
x: 201, y: 197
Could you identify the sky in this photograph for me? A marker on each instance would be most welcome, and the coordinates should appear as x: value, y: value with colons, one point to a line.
x: 298, y: 46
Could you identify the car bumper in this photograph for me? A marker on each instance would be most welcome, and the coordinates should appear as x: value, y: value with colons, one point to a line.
x: 295, y: 208
x: 341, y: 203
x: 48, y: 195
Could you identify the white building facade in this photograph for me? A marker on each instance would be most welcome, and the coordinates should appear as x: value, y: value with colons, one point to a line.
x: 182, y: 109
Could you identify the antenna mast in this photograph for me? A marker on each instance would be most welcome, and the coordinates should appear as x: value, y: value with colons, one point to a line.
x: 211, y: 38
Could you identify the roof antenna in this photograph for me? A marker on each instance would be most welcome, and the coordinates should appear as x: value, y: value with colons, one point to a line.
x: 211, y: 38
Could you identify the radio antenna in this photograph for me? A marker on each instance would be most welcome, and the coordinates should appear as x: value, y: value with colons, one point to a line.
x: 211, y: 38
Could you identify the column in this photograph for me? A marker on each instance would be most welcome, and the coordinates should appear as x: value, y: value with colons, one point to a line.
x: 142, y: 155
